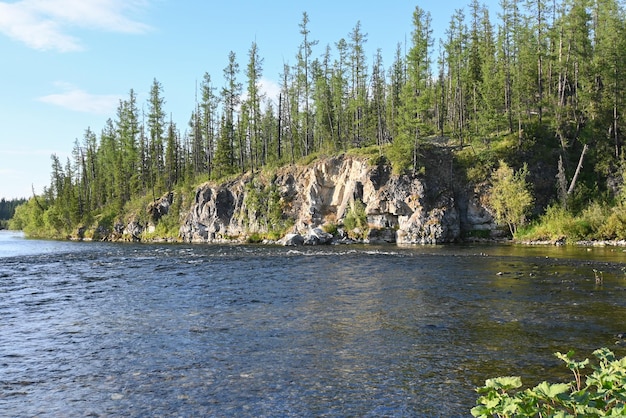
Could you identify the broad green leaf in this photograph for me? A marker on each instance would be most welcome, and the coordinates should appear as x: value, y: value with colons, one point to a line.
x: 504, y: 382
x: 604, y: 354
x: 551, y: 390
x: 480, y: 411
x: 510, y: 406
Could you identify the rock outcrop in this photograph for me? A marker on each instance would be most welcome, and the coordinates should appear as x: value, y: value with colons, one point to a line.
x: 430, y: 208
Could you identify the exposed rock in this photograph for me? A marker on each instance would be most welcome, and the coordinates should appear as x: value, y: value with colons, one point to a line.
x: 381, y: 236
x: 133, y: 231
x: 292, y: 240
x: 408, y: 209
x: 316, y: 236
x: 160, y: 207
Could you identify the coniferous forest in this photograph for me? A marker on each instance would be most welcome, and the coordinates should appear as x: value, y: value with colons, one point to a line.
x: 541, y: 82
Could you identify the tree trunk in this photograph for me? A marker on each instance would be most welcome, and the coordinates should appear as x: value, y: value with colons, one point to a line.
x: 578, y: 168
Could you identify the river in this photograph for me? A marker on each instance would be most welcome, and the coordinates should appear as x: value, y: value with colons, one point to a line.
x: 104, y: 329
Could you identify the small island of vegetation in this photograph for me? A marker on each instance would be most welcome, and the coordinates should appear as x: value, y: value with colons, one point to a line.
x: 532, y: 104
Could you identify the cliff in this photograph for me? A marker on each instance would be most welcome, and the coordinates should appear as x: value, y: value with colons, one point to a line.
x: 301, y: 202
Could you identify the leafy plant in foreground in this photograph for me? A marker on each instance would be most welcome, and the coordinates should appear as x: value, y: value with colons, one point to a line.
x: 601, y: 393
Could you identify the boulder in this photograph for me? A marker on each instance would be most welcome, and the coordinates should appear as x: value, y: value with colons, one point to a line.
x: 292, y: 240
x: 317, y: 236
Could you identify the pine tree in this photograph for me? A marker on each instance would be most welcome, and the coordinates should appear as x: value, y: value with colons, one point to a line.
x: 609, y: 74
x: 322, y: 103
x: 397, y: 80
x: 156, y: 134
x: 209, y: 118
x: 339, y: 88
x: 358, y: 84
x: 490, y: 116
x: 303, y: 72
x: 231, y: 97
x: 415, y: 97
x: 457, y: 57
x: 172, y: 153
x: 127, y: 131
x: 254, y: 72
x: 107, y: 162
x: 379, y: 92
x: 540, y: 11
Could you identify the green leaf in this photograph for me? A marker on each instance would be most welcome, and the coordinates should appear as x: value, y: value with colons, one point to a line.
x: 504, y: 382
x: 604, y: 354
x: 480, y: 411
x: 551, y: 390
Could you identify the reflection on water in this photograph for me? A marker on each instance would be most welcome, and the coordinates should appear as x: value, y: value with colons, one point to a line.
x: 127, y: 330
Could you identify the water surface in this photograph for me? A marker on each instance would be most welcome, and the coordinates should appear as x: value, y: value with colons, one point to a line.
x: 104, y: 329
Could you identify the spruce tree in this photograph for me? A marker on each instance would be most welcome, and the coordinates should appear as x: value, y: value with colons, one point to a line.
x: 415, y: 97
x: 254, y: 72
x: 209, y: 119
x: 156, y: 134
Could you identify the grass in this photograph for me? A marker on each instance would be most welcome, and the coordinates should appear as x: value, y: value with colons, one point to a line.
x: 595, y: 222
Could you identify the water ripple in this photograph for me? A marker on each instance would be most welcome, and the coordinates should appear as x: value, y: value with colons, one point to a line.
x: 147, y: 330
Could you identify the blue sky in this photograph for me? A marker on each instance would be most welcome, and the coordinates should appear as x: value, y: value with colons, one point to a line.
x: 67, y: 63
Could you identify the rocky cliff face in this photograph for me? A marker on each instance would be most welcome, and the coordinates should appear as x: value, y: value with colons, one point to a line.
x: 431, y: 208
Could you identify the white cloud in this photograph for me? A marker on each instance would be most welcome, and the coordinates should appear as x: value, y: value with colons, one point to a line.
x: 81, y: 101
x: 270, y: 89
x: 44, y: 24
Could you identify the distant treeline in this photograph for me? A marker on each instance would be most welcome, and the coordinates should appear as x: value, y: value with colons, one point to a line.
x: 7, y: 207
x: 7, y: 210
x: 545, y: 71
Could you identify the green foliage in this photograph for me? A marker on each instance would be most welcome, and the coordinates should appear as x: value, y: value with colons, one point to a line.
x: 614, y: 226
x: 355, y: 220
x: 509, y: 196
x: 168, y: 226
x: 372, y: 152
x: 400, y: 155
x: 330, y: 228
x: 39, y: 220
x: 7, y: 207
x: 600, y: 393
x: 308, y: 159
x: 557, y: 223
x: 264, y: 205
x: 596, y: 222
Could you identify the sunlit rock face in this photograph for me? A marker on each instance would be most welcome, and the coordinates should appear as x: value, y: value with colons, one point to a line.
x: 430, y: 208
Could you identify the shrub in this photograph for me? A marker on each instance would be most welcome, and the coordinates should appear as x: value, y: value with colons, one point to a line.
x: 614, y: 226
x: 595, y: 222
x: 330, y: 228
x: 510, y: 196
x: 356, y: 219
x: 601, y: 393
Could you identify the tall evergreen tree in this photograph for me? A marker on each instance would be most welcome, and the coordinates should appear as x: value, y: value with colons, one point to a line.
x: 172, y: 157
x: 304, y: 79
x: 416, y: 100
x: 257, y: 144
x: 397, y: 80
x: 209, y: 119
x: 609, y: 68
x: 127, y: 131
x: 231, y: 96
x: 156, y: 135
x: 339, y: 88
x: 379, y: 92
x: 358, y: 83
x: 457, y: 53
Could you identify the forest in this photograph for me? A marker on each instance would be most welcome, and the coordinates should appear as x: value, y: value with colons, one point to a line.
x: 541, y: 82
x: 7, y: 210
